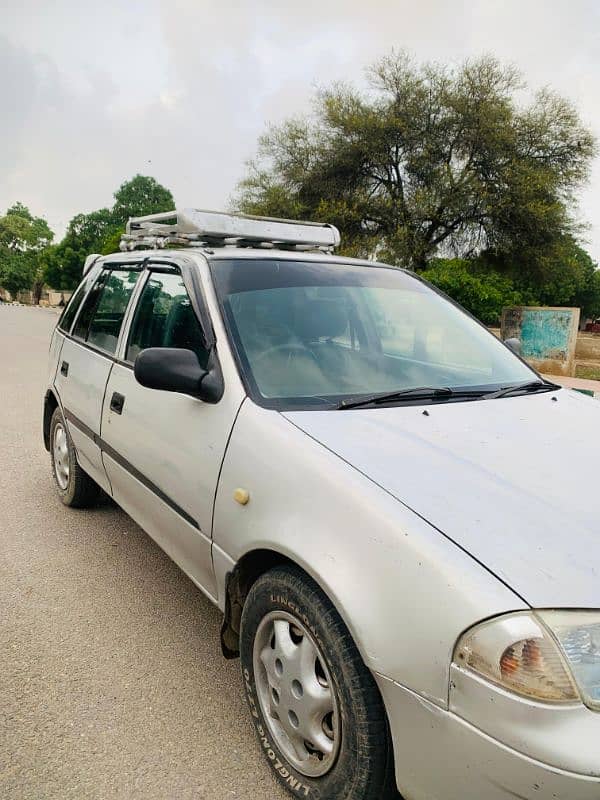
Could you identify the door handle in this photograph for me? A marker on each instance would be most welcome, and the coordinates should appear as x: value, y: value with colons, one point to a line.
x: 64, y: 368
x: 117, y: 401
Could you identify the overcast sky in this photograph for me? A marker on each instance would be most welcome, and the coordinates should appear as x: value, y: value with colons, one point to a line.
x: 92, y: 93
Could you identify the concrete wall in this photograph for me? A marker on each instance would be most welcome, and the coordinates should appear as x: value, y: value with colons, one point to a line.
x: 587, y: 347
x: 548, y: 336
x: 48, y: 297
x: 54, y: 298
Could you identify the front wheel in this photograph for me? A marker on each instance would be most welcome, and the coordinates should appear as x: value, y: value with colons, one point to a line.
x: 315, y: 706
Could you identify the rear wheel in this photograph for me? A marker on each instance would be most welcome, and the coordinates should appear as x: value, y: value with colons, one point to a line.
x: 75, y: 487
x: 315, y: 706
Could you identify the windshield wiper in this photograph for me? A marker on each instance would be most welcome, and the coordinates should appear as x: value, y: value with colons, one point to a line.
x: 384, y: 397
x: 439, y: 392
x: 529, y: 386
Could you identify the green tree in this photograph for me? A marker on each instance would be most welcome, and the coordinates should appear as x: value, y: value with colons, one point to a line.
x: 100, y: 231
x: 89, y: 231
x: 113, y: 240
x: 17, y: 272
x: 560, y: 274
x: 139, y: 196
x: 430, y: 159
x: 482, y: 291
x: 23, y: 238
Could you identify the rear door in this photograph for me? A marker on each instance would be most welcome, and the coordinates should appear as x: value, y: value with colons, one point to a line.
x: 87, y: 357
x: 163, y: 450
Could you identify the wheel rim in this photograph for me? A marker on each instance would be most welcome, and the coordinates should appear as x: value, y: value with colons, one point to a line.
x: 296, y: 694
x: 61, y: 456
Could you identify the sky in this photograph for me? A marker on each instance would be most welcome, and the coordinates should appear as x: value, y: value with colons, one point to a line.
x: 93, y: 93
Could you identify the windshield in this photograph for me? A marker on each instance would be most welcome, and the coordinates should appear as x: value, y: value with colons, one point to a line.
x: 309, y: 333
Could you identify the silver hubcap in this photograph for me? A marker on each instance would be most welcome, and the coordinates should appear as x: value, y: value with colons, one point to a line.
x: 296, y: 694
x: 61, y: 456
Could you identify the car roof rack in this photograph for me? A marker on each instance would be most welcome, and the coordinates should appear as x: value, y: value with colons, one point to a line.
x: 197, y: 228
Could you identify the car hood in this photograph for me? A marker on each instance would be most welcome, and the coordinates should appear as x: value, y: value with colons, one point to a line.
x: 514, y: 481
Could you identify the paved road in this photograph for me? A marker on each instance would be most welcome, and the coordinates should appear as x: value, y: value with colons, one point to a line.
x: 112, y: 684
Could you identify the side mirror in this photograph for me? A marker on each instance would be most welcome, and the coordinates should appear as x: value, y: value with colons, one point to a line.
x: 173, y: 369
x: 514, y: 344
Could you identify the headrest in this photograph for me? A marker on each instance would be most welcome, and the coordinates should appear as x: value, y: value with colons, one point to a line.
x: 320, y: 319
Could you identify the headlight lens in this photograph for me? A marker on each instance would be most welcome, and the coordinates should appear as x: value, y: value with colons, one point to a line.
x: 579, y: 635
x: 518, y: 653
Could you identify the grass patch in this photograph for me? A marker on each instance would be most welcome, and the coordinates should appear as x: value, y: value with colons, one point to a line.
x: 589, y: 373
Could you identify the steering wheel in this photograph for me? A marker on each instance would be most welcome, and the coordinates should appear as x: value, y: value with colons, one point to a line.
x: 291, y: 347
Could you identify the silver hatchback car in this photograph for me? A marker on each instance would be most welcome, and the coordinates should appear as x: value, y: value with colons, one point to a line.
x: 398, y: 518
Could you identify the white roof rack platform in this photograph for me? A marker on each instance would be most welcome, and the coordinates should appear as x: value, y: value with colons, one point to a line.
x: 191, y: 226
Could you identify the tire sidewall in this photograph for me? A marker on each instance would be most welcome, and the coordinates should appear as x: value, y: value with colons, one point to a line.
x: 283, y: 595
x: 66, y: 495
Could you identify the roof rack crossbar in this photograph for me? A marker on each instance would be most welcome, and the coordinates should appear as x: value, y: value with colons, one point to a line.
x: 195, y: 227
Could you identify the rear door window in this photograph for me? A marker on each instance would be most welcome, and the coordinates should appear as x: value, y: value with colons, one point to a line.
x: 101, y: 317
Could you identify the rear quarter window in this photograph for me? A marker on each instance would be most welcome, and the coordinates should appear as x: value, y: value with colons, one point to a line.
x: 70, y: 312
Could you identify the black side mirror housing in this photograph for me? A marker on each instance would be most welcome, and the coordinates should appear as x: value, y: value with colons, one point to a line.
x: 173, y: 369
x: 514, y: 344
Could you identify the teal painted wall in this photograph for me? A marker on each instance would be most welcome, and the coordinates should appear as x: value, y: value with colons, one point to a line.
x: 545, y: 333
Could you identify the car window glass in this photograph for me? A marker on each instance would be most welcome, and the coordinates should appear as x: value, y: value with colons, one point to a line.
x: 409, y: 325
x: 108, y: 317
x: 89, y: 306
x: 68, y: 315
x: 101, y: 317
x: 309, y: 333
x: 165, y: 318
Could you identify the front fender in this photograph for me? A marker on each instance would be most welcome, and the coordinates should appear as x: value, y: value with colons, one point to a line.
x: 405, y: 592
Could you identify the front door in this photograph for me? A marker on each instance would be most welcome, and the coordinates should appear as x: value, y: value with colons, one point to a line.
x: 162, y: 450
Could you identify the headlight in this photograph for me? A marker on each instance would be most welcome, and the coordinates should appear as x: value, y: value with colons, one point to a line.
x: 578, y: 633
x: 518, y: 653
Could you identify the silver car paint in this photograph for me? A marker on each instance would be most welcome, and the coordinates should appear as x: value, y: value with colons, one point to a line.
x: 513, y: 481
x: 406, y: 590
x: 82, y: 392
x: 178, y: 443
x: 440, y: 756
x: 388, y: 572
x: 563, y: 736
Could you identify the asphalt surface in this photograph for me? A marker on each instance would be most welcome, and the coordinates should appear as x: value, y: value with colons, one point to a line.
x: 112, y: 683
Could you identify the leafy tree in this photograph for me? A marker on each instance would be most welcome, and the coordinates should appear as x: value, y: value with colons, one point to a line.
x: 561, y: 274
x: 100, y: 231
x: 483, y: 292
x: 17, y: 272
x: 89, y: 231
x: 21, y: 232
x: 587, y: 296
x: 486, y: 284
x: 112, y: 241
x: 570, y: 278
x: 139, y: 196
x: 23, y: 238
x: 431, y: 158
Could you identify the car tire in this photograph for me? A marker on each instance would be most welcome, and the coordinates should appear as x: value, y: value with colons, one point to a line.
x: 316, y: 709
x: 75, y: 487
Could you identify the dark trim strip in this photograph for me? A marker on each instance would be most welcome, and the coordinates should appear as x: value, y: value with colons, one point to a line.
x: 96, y: 350
x: 133, y: 471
